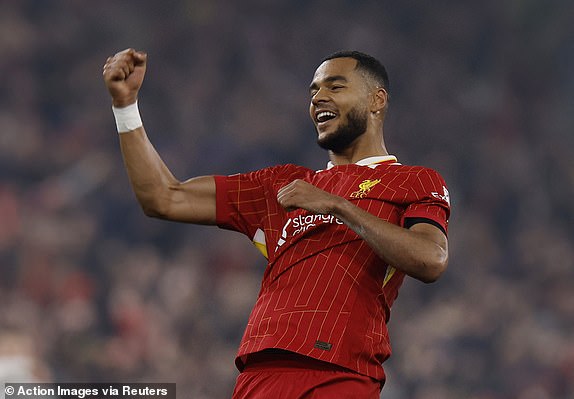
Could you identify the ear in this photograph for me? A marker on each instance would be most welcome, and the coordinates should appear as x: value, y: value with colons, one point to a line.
x: 380, y: 100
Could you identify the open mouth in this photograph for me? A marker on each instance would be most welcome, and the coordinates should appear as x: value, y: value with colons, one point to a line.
x: 324, y: 116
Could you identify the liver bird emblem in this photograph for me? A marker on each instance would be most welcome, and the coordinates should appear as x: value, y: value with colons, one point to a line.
x: 364, y: 187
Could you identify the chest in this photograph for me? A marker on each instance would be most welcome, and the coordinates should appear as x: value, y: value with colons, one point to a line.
x: 358, y: 184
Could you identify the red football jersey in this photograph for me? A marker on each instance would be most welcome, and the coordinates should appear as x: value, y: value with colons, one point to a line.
x: 325, y: 294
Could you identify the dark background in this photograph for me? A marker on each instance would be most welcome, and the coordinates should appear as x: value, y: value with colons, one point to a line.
x: 92, y: 290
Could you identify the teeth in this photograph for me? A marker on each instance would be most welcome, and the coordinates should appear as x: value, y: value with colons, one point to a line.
x: 324, y: 115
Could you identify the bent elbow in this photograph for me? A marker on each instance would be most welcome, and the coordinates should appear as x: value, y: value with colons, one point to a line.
x: 432, y: 276
x: 434, y: 270
x: 152, y: 208
x: 432, y: 266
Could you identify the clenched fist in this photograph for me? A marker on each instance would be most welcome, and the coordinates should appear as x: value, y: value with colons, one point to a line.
x: 123, y: 75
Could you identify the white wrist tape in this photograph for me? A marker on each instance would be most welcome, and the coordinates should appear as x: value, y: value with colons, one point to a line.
x: 127, y: 118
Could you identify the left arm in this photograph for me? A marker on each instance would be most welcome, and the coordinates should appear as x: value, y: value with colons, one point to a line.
x: 420, y: 252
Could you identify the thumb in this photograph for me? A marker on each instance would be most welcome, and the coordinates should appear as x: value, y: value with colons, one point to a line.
x: 140, y: 58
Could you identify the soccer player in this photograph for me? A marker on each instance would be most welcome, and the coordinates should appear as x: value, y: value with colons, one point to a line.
x: 339, y: 241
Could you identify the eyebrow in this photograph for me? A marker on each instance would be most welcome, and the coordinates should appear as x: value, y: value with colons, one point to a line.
x: 329, y: 79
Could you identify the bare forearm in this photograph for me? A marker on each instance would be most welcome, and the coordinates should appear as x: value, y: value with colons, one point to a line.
x: 414, y: 251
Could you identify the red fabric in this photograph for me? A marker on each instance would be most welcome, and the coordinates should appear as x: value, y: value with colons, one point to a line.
x: 273, y: 376
x: 323, y: 293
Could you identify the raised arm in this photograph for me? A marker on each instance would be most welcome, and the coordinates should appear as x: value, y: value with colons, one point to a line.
x: 159, y: 193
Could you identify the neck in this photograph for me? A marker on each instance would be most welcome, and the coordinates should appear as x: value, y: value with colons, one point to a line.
x: 345, y: 159
x: 364, y: 147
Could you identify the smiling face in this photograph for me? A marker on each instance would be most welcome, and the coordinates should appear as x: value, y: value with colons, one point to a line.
x: 339, y: 103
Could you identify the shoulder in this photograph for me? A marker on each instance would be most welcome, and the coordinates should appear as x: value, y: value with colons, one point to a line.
x: 286, y: 171
x: 268, y: 177
x: 428, y: 183
x: 420, y: 181
x: 402, y: 168
x: 411, y: 171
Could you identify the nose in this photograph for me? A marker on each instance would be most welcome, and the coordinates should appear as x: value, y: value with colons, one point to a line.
x: 319, y: 96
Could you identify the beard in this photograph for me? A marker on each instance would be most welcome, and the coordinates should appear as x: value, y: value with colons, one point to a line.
x: 345, y: 134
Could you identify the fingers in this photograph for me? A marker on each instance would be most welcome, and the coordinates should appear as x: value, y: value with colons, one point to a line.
x: 300, y: 194
x: 140, y: 58
x: 121, y: 65
x: 288, y: 195
x: 284, y: 194
x: 286, y: 191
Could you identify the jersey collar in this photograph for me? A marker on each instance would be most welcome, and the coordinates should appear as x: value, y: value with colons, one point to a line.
x: 370, y: 161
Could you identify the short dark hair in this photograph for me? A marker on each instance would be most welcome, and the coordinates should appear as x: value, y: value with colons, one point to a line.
x: 366, y: 63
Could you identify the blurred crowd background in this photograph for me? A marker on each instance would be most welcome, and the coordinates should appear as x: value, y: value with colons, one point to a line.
x: 91, y: 290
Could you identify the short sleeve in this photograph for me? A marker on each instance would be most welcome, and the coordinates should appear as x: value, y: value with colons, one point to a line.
x: 241, y: 201
x: 247, y: 202
x: 430, y: 198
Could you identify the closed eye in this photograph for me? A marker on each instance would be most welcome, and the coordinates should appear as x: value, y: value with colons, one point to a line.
x: 334, y: 88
